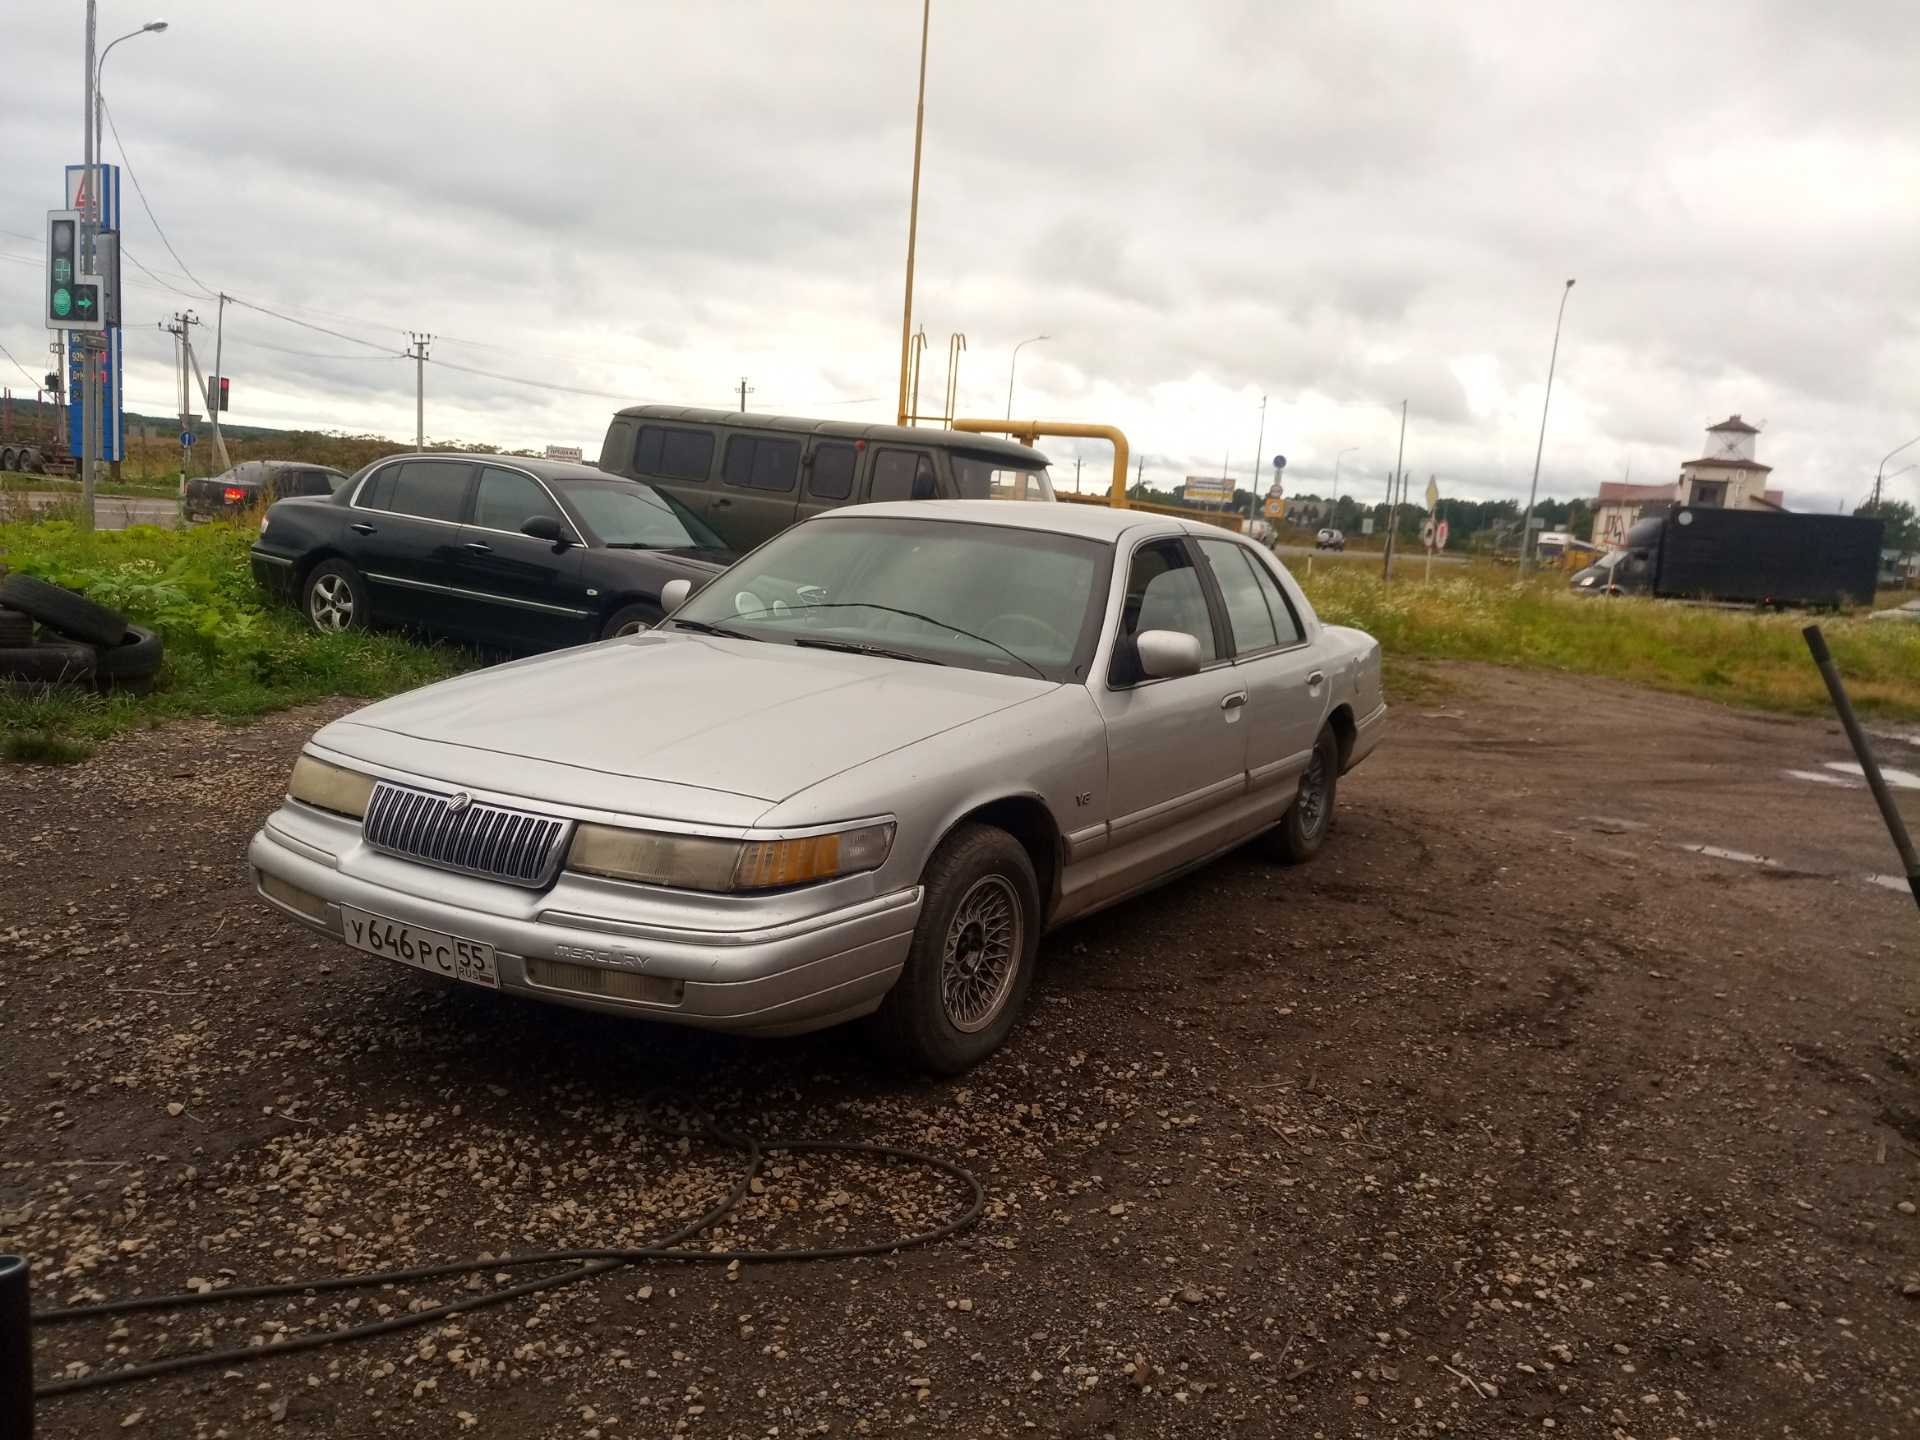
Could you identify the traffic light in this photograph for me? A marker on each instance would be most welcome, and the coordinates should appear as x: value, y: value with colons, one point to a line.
x: 73, y: 299
x: 217, y: 393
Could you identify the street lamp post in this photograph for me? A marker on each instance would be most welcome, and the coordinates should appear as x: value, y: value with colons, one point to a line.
x: 1336, y: 471
x: 913, y: 208
x: 1015, y: 365
x: 94, y: 346
x: 1526, y: 520
x: 1880, y: 475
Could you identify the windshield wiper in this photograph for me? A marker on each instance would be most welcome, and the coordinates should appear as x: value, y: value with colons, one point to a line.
x: 701, y: 627
x: 852, y: 647
x: 937, y: 624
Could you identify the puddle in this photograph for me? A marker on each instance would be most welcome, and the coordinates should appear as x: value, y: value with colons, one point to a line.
x: 1821, y: 777
x: 1892, y: 882
x: 1609, y: 825
x: 1896, y: 779
x: 1718, y: 852
x: 1745, y: 859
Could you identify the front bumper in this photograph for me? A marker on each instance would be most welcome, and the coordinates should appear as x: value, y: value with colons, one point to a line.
x: 755, y: 971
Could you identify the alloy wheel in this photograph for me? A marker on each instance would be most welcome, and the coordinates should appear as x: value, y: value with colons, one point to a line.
x: 981, y: 956
x: 330, y: 603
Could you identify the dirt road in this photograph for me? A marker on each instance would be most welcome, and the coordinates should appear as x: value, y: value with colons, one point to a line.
x: 1510, y: 1114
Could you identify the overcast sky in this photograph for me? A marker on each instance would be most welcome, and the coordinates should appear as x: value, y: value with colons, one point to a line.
x: 1334, y: 206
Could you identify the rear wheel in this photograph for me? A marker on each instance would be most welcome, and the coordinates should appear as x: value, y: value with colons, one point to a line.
x: 1303, y: 830
x: 335, y: 598
x: 971, y: 963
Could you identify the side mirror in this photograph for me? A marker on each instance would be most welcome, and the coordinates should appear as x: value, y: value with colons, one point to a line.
x: 545, y: 527
x: 1165, y: 654
x: 674, y: 594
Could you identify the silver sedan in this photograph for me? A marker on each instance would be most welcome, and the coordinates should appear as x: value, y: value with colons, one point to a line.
x: 858, y: 774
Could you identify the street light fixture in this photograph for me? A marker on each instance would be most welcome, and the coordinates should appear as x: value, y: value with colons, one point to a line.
x: 1015, y: 365
x: 1526, y: 520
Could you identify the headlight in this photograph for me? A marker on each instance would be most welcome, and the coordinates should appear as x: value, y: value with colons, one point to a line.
x: 699, y: 862
x: 315, y: 782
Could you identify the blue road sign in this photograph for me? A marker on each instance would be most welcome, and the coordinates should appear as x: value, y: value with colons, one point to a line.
x: 186, y: 438
x: 1279, y: 462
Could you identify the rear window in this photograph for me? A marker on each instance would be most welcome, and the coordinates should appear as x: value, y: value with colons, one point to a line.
x: 832, y: 475
x: 431, y: 489
x: 673, y: 454
x: 760, y: 462
x: 901, y: 475
x: 980, y: 478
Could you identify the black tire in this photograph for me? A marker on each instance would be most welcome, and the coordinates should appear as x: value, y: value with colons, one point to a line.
x: 334, y: 598
x: 74, y: 616
x: 631, y: 620
x: 137, y: 657
x: 16, y: 629
x: 8, y: 459
x: 48, y: 664
x: 28, y: 462
x: 1303, y: 829
x: 971, y: 964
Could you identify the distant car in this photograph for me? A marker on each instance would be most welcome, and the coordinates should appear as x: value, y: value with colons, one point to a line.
x: 1599, y: 578
x: 257, y: 482
x: 1330, y: 539
x: 520, y: 554
x: 858, y: 774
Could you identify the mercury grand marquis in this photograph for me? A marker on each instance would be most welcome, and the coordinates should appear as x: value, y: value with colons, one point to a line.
x: 856, y: 775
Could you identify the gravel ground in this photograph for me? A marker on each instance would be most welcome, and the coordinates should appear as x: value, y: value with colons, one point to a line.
x: 1510, y: 1114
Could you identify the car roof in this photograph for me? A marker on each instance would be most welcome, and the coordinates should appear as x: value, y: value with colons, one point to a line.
x: 874, y: 431
x: 545, y: 469
x: 1062, y: 517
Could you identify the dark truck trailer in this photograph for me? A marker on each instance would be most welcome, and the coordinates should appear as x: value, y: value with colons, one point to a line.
x: 1763, y: 557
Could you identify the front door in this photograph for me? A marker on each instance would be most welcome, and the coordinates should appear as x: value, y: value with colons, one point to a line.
x: 757, y: 492
x: 513, y: 589
x: 831, y: 468
x: 1176, y: 748
x: 404, y: 535
x: 1285, y: 682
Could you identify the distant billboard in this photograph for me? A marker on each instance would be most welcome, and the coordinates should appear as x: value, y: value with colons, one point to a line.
x: 1209, y: 487
x: 563, y: 452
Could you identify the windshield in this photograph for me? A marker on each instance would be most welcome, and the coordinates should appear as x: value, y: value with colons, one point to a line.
x: 984, y: 478
x: 981, y: 597
x: 629, y: 516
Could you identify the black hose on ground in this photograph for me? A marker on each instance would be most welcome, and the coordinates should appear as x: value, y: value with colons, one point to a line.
x: 1876, y: 782
x: 585, y: 1263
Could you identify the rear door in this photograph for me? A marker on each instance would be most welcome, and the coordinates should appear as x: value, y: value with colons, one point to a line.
x: 513, y: 589
x: 404, y: 535
x: 677, y: 459
x: 1285, y: 682
x: 895, y: 473
x: 831, y: 468
x: 758, y: 491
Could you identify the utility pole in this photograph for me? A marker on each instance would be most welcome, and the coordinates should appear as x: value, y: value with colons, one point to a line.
x: 1879, y: 476
x: 1259, y: 449
x: 89, y: 230
x: 744, y: 390
x: 1396, y: 482
x: 913, y: 208
x: 213, y: 400
x: 419, y: 353
x: 1526, y: 520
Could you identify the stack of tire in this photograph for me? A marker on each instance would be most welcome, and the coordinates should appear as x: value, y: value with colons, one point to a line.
x: 52, y: 636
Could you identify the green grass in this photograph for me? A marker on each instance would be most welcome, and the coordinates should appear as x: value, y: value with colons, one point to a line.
x: 1739, y: 657
x: 230, y: 654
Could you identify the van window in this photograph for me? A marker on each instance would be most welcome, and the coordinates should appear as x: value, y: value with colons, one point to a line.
x: 832, y: 477
x: 673, y: 454
x: 901, y: 475
x: 760, y: 462
x: 983, y: 479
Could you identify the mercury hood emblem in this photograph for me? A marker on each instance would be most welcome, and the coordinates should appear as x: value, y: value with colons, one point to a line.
x: 458, y: 801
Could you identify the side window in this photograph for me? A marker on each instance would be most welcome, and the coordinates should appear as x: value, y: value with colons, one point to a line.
x: 901, y: 475
x: 431, y: 489
x: 673, y: 454
x: 506, y: 500
x: 1163, y: 593
x: 832, y: 475
x: 1256, y: 607
x: 377, y: 489
x: 760, y: 462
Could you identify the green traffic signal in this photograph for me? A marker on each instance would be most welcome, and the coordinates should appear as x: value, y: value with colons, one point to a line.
x: 62, y: 301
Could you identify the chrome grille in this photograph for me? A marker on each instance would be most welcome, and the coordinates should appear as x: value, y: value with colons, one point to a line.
x: 470, y: 836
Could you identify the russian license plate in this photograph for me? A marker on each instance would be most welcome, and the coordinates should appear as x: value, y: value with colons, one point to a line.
x: 428, y: 950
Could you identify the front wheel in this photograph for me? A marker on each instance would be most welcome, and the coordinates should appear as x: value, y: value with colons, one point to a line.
x: 335, y: 598
x: 971, y: 964
x: 1303, y: 829
x: 630, y: 620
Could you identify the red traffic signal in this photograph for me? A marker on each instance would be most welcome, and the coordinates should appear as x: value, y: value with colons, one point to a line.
x: 217, y: 393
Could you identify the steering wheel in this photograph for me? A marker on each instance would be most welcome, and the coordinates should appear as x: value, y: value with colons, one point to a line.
x: 1028, y: 626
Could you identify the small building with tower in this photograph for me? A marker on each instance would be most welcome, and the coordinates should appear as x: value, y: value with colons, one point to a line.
x: 1725, y: 477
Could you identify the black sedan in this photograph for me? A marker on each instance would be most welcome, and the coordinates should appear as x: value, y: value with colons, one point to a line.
x: 254, y: 481
x: 523, y: 554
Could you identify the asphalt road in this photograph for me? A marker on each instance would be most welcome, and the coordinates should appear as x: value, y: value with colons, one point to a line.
x: 115, y: 512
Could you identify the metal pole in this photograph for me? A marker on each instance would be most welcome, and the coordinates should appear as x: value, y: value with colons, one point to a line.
x: 1393, y: 501
x: 16, y: 1349
x: 1014, y: 366
x: 1336, y: 475
x: 913, y: 208
x: 420, y: 343
x: 1869, y: 767
x: 213, y: 398
x: 1526, y: 520
x: 1259, y: 449
x: 1880, y: 474
x: 89, y: 225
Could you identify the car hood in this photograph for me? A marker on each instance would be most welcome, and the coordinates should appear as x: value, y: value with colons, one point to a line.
x: 674, y: 725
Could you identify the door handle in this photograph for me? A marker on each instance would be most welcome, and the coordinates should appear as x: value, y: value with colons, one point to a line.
x: 479, y: 547
x: 724, y: 502
x: 360, y: 527
x: 1316, y: 679
x: 1234, y: 701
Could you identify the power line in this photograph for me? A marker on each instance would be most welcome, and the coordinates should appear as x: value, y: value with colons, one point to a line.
x: 141, y: 192
x: 18, y: 366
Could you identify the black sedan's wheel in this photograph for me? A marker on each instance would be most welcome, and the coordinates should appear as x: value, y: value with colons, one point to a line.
x: 971, y: 964
x: 335, y: 598
x: 1299, y: 836
x: 631, y: 620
